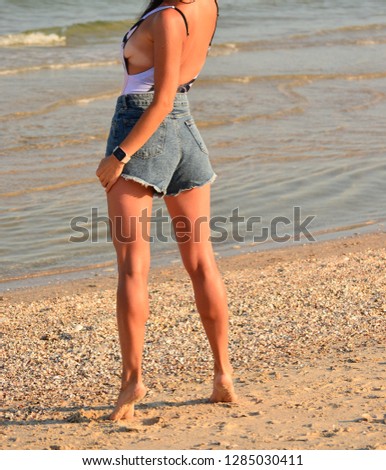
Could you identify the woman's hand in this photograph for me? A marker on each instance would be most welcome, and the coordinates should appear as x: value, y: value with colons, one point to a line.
x: 108, y: 171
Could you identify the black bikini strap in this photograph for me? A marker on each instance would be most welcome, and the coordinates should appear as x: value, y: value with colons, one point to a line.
x: 185, y: 20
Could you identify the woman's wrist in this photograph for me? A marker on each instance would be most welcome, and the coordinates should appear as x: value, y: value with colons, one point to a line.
x: 120, y: 154
x: 117, y: 162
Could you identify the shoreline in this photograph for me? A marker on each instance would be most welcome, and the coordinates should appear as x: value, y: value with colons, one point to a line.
x: 103, y: 269
x: 258, y: 259
x: 307, y: 330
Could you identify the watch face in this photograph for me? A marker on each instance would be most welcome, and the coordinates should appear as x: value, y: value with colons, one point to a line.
x: 119, y: 153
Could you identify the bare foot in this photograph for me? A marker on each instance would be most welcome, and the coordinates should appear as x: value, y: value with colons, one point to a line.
x: 223, y: 390
x: 128, y: 396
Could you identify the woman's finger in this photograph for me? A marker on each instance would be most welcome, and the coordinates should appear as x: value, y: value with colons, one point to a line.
x: 98, y: 170
x: 104, y: 182
x: 111, y: 183
x: 108, y: 187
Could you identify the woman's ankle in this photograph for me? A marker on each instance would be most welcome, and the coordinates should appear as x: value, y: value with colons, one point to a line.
x: 226, y: 369
x: 132, y: 378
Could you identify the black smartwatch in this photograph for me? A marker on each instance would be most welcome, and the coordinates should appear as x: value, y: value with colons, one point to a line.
x: 119, y: 153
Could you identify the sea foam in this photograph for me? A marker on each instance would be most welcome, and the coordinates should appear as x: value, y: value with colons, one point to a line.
x: 32, y: 39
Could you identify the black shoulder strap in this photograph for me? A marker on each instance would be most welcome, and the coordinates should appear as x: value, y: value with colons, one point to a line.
x: 185, y: 20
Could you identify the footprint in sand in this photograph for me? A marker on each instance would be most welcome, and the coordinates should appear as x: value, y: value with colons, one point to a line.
x: 153, y: 421
x: 84, y: 416
x: 227, y: 426
x: 125, y: 429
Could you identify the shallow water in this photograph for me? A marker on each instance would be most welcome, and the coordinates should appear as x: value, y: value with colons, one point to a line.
x: 291, y: 104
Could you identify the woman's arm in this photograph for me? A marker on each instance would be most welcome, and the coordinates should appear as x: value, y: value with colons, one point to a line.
x: 168, y: 35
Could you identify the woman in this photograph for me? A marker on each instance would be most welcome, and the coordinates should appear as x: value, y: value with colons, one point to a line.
x: 154, y: 148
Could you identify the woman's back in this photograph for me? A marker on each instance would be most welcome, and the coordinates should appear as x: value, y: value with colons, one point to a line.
x: 201, y: 19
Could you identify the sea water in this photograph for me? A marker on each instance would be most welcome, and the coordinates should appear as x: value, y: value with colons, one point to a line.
x: 291, y: 104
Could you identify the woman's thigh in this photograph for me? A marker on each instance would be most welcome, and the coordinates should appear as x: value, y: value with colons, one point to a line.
x: 190, y: 213
x: 129, y: 207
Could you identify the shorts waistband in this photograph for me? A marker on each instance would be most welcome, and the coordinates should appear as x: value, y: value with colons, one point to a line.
x: 145, y: 99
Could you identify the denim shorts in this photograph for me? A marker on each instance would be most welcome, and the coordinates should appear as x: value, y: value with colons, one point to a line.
x: 174, y: 159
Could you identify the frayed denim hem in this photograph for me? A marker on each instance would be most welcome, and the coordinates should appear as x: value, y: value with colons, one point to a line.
x: 144, y: 183
x: 213, y: 177
x: 159, y: 192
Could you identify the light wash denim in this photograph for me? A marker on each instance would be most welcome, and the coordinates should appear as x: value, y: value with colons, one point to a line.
x: 174, y: 159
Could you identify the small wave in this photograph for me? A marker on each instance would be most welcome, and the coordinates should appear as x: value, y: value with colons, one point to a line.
x: 357, y: 35
x: 363, y: 27
x: 78, y: 33
x: 51, y: 187
x: 226, y: 120
x: 375, y: 97
x: 79, y: 65
x: 369, y: 42
x: 341, y: 29
x: 64, y: 142
x: 95, y: 29
x: 32, y: 39
x: 223, y: 49
x: 302, y: 78
x: 345, y: 228
x: 56, y: 105
x: 57, y: 271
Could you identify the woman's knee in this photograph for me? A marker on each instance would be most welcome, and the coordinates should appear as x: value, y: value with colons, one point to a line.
x: 133, y: 269
x: 201, y: 268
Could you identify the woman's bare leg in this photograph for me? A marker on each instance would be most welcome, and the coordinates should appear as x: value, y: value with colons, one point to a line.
x: 192, y: 207
x: 127, y: 202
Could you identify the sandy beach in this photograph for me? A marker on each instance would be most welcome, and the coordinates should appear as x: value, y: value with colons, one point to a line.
x: 307, y: 344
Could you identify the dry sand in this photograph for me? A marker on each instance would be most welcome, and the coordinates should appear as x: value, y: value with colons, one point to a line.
x: 307, y: 343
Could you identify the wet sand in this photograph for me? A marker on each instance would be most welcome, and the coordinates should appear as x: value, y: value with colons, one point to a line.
x: 307, y: 344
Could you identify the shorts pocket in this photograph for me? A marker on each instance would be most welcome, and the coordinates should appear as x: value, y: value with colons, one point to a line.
x: 191, y: 125
x: 154, y: 146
